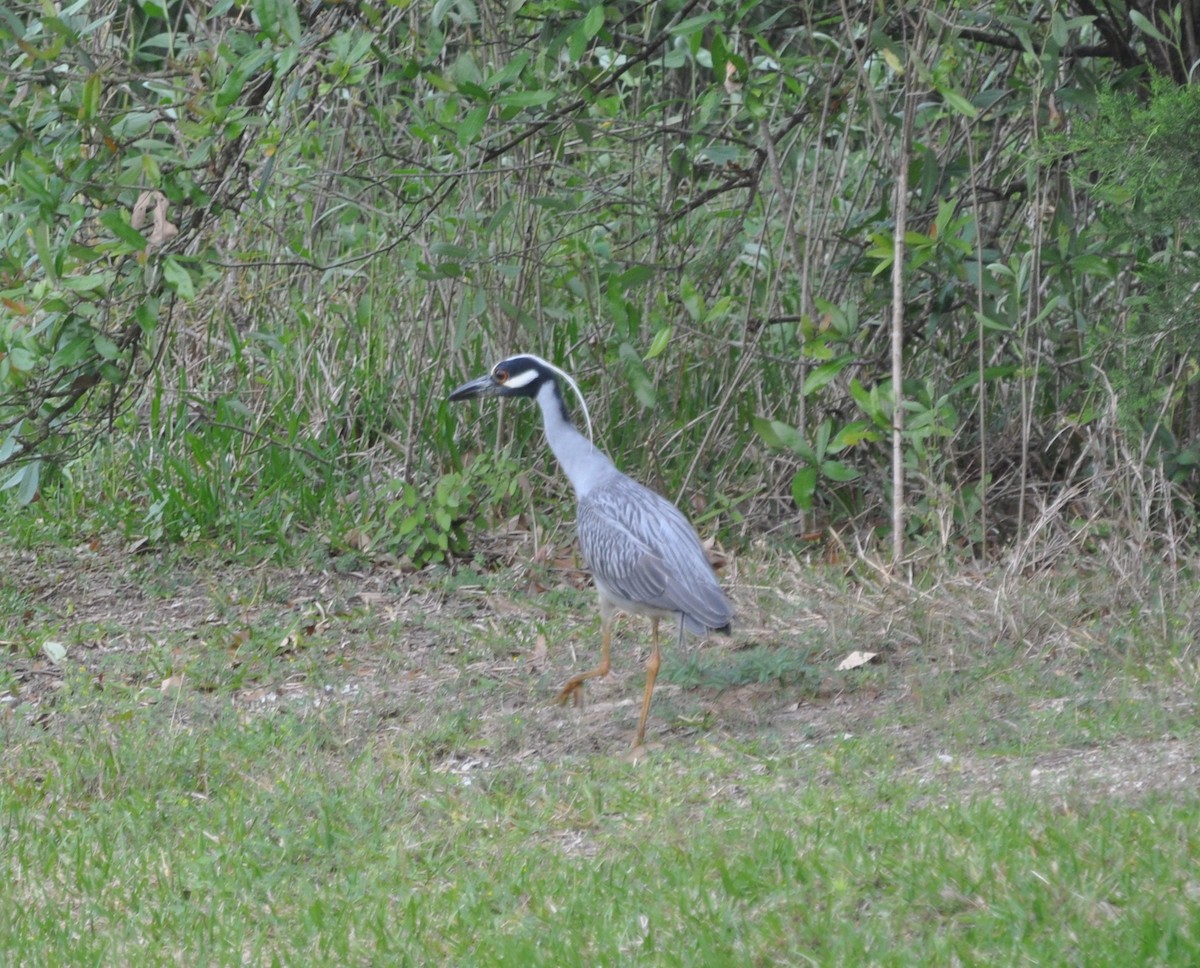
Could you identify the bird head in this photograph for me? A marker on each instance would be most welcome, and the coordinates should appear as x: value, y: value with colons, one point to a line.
x: 517, y: 376
x: 523, y: 375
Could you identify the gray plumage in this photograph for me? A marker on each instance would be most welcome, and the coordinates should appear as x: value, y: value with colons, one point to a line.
x: 644, y: 555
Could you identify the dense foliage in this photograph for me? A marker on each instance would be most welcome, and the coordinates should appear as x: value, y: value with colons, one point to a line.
x: 261, y: 239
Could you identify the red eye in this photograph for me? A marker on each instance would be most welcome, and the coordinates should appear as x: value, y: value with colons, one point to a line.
x: 500, y: 376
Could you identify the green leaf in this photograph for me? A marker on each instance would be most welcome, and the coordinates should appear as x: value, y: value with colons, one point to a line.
x: 995, y: 325
x: 96, y: 282
x: 763, y: 427
x: 985, y: 99
x: 21, y: 359
x: 804, y: 486
x: 72, y: 353
x: 178, y: 278
x: 361, y: 46
x: 508, y: 73
x: 25, y: 480
x: 1145, y: 26
x: 61, y: 28
x: 115, y: 221
x: 835, y: 470
x: 89, y: 103
x: 577, y: 44
x: 526, y: 99
x: 113, y: 373
x: 958, y: 102
x: 586, y: 31
x: 9, y: 447
x: 465, y: 9
x: 882, y: 250
x: 853, y: 433
x: 718, y: 310
x: 824, y: 428
x: 719, y: 53
x: 635, y: 276
x: 693, y: 24
x: 448, y: 250
x: 147, y: 315
x: 693, y: 302
x: 639, y: 379
x: 472, y: 124
x: 783, y: 437
x: 659, y: 343
x: 861, y: 395
x: 875, y: 403
x: 555, y: 203
x: 151, y: 169
x: 289, y: 20
x: 40, y: 234
x: 824, y: 374
x: 1094, y: 265
x: 499, y: 218
x: 719, y: 155
x: 105, y: 346
x: 472, y: 90
x: 593, y: 21
x: 231, y: 90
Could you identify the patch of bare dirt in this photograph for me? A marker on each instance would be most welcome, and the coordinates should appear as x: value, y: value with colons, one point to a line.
x: 1126, y: 770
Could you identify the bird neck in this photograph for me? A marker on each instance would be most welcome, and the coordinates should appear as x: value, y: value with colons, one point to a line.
x: 582, y: 462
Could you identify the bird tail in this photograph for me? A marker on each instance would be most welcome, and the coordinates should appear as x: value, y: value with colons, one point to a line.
x: 697, y: 627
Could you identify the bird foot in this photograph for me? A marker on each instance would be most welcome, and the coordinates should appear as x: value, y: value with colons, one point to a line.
x: 570, y: 690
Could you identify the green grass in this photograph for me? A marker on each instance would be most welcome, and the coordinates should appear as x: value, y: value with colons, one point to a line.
x: 304, y: 766
x: 136, y: 840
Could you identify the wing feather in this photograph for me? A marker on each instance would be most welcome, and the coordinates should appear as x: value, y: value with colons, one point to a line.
x: 639, y: 545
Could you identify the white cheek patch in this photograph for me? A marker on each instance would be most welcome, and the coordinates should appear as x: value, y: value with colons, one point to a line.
x: 519, y: 380
x: 529, y: 375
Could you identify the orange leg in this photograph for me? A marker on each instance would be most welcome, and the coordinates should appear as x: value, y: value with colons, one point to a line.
x: 572, y: 688
x: 651, y: 674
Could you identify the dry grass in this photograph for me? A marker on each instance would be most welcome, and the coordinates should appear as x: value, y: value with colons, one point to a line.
x: 397, y: 650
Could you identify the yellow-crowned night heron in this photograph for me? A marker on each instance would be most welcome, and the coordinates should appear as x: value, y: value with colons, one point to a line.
x: 644, y: 556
